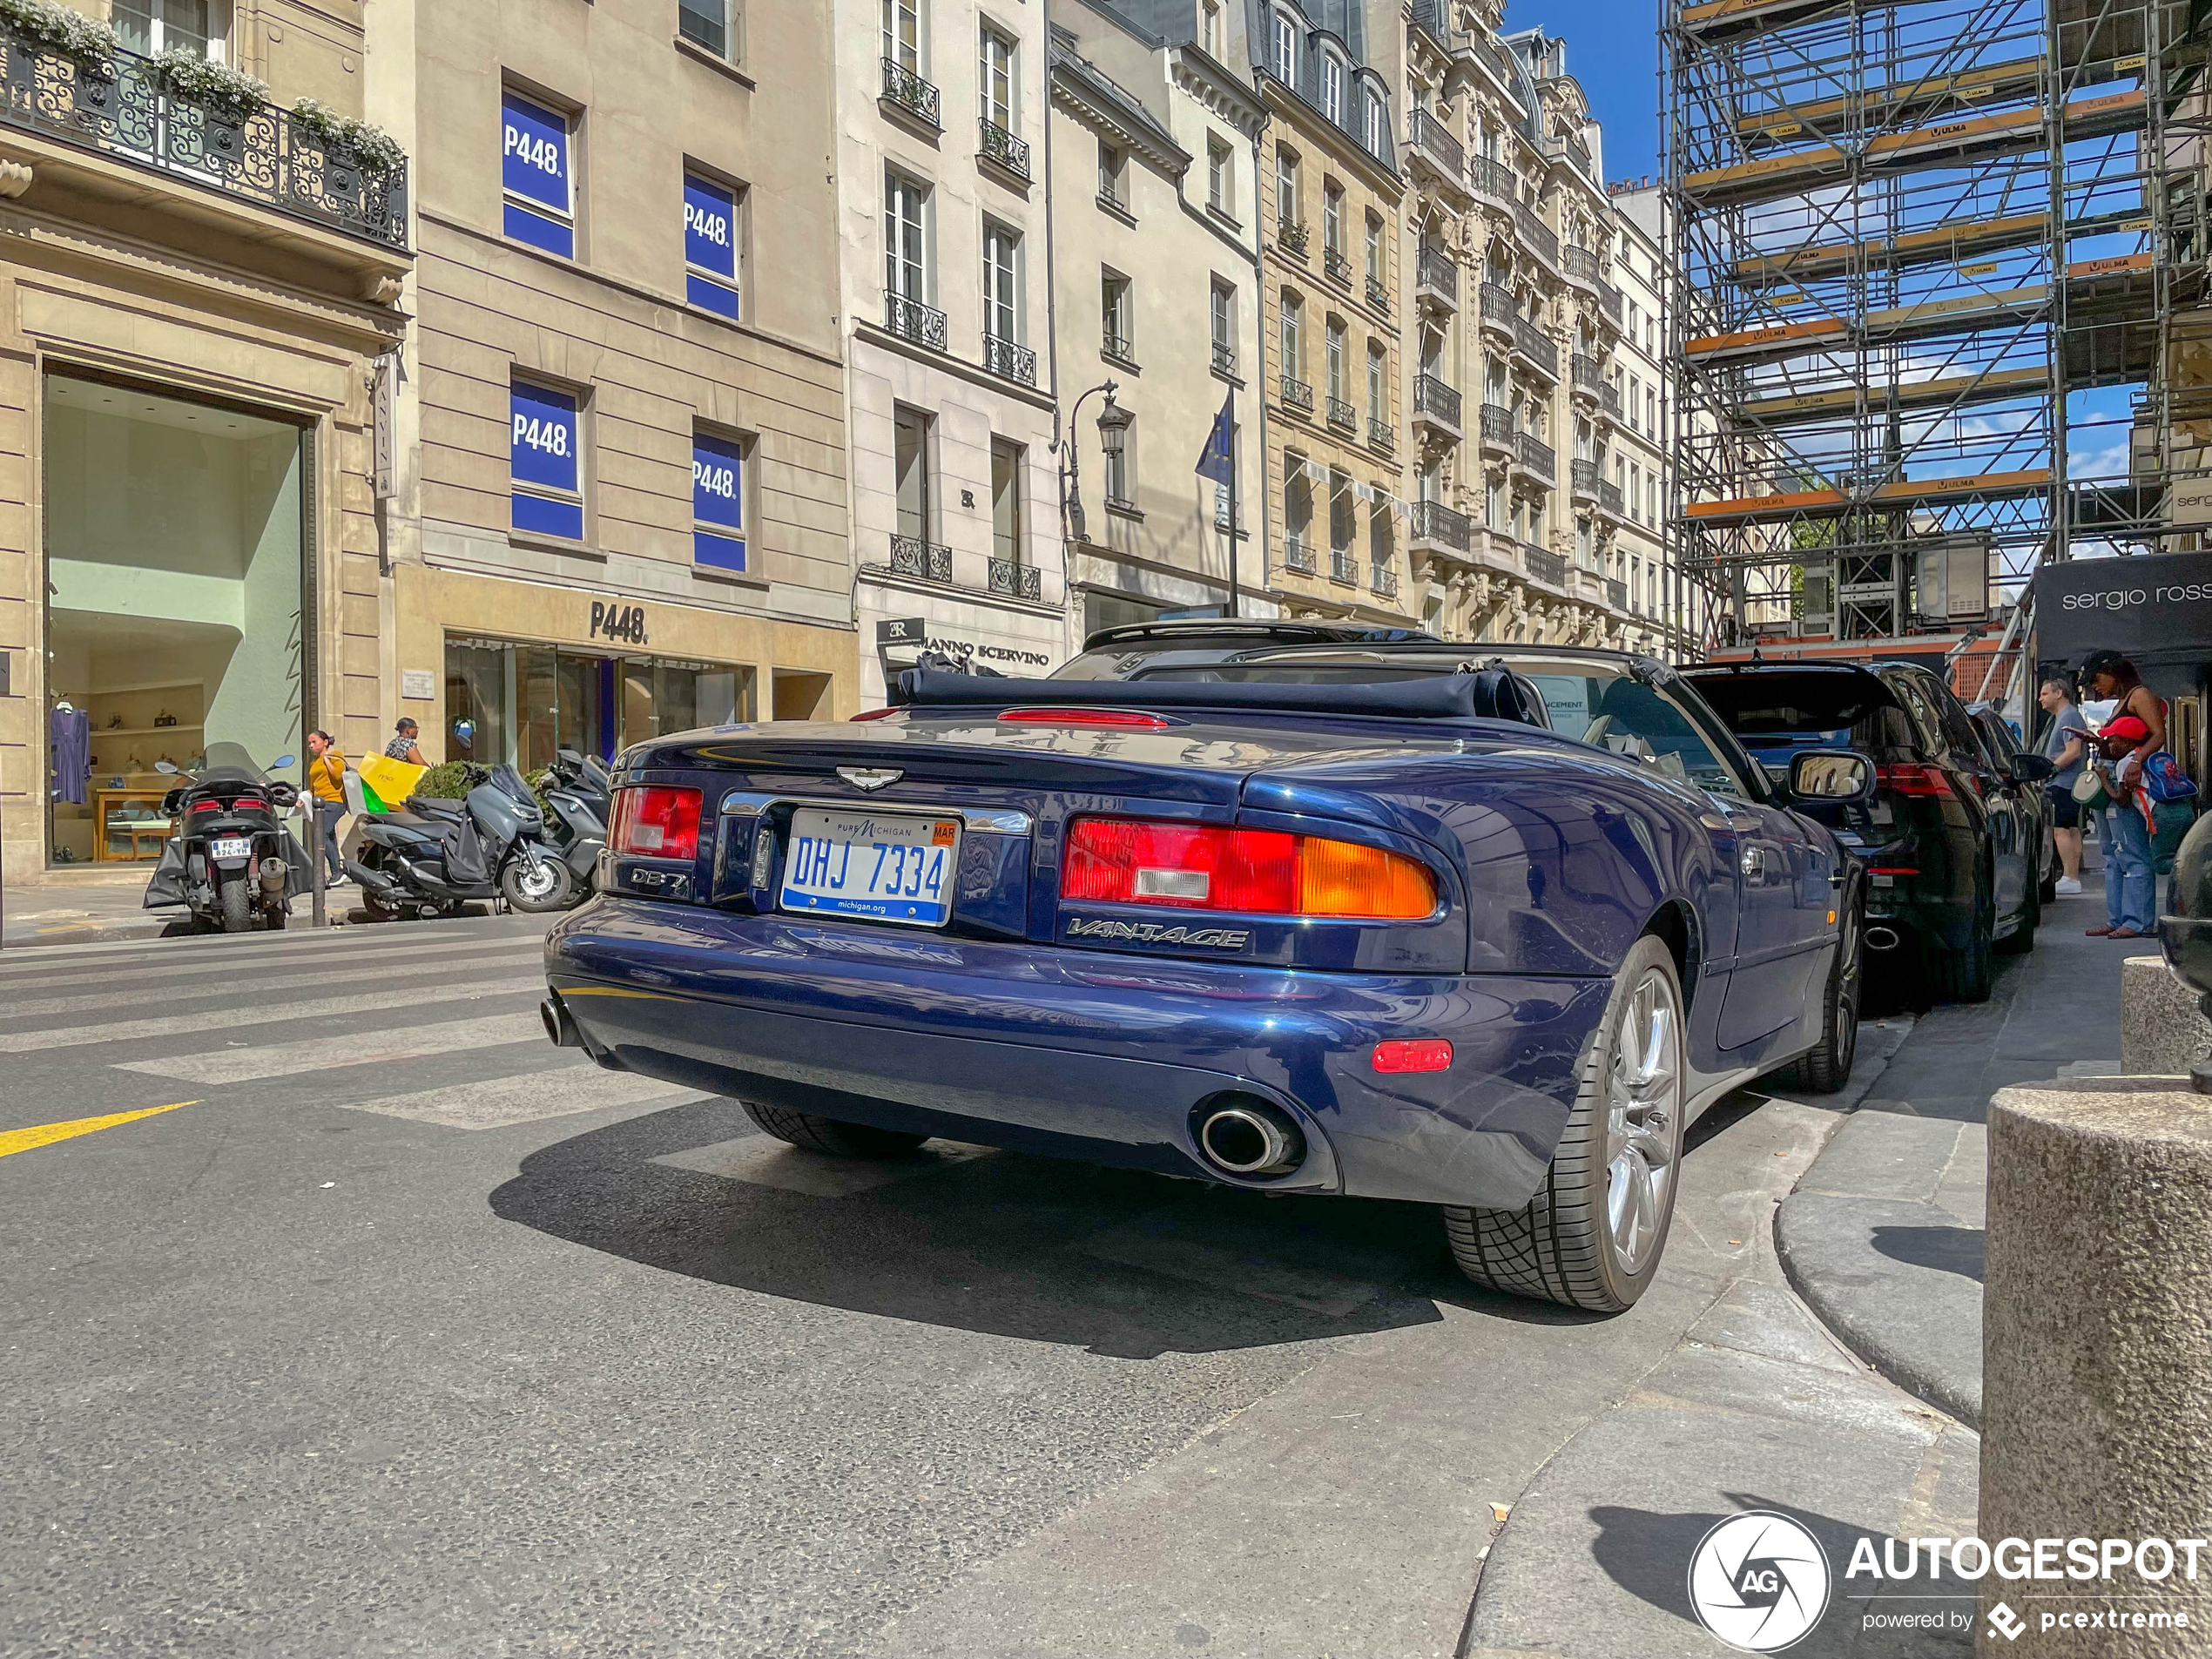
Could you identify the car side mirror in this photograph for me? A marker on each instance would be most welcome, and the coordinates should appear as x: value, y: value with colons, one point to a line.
x: 2032, y: 769
x: 1830, y: 778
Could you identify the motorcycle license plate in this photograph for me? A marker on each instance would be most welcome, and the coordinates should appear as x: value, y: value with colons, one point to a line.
x: 875, y: 865
x: 231, y: 847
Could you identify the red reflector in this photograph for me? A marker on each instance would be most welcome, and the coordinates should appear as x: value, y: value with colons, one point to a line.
x: 656, y: 821
x: 1416, y: 1054
x: 1208, y: 867
x: 1089, y: 717
x: 1911, y: 778
x: 1892, y: 869
x: 875, y: 714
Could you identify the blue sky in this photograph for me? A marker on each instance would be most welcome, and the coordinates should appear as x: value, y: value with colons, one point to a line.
x: 1613, y: 49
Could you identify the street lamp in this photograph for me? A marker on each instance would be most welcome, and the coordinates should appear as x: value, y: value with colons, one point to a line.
x: 1113, y: 432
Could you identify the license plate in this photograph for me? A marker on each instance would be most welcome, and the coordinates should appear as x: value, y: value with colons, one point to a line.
x: 231, y: 847
x: 880, y: 866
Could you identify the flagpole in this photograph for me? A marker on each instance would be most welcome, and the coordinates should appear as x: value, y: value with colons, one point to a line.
x: 1233, y: 500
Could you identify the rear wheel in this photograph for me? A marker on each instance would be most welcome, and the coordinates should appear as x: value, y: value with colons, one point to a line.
x: 238, y: 915
x: 1827, y: 1069
x: 831, y: 1135
x: 1966, y: 974
x: 1592, y: 1236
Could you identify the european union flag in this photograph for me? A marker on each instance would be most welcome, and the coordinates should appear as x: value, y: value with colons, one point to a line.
x: 1217, y: 460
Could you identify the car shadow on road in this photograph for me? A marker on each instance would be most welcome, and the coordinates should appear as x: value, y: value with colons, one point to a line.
x: 1649, y: 1552
x: 1120, y: 1262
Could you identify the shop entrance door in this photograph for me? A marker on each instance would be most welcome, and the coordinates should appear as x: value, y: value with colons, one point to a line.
x: 578, y: 700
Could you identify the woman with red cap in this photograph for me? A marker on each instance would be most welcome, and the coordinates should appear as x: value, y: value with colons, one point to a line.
x: 2137, y: 731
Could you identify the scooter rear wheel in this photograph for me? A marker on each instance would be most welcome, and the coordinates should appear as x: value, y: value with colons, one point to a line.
x: 238, y: 915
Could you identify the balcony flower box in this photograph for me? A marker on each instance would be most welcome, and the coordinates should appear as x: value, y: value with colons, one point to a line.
x: 89, y: 46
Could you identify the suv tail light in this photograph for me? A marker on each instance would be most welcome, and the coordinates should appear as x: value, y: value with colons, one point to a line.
x: 1912, y: 777
x: 656, y: 821
x: 1204, y: 866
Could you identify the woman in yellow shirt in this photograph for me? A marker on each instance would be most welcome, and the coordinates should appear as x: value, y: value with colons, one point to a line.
x: 327, y: 783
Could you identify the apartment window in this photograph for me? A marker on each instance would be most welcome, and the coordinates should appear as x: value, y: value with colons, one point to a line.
x: 1635, y: 397
x: 1332, y: 88
x: 536, y: 153
x: 1583, y: 551
x: 1294, y: 338
x: 910, y: 472
x: 1652, y: 411
x: 1002, y: 283
x: 906, y: 270
x: 1374, y: 248
x: 1339, y: 372
x: 710, y: 246
x: 1373, y: 132
x: 1378, y: 383
x: 1297, y: 501
x: 1120, y: 467
x: 1285, y: 186
x: 717, y: 500
x: 903, y: 34
x: 1493, y: 506
x: 152, y: 27
x: 1218, y: 176
x: 1494, y: 381
x: 1210, y: 29
x: 1285, y: 51
x: 1117, y: 325
x: 1635, y: 489
x: 1112, y: 171
x: 1332, y: 218
x: 1223, y: 324
x: 995, y: 80
x: 545, y: 461
x: 1650, y: 336
x: 1382, y: 550
x: 707, y: 24
x: 1343, y: 526
x: 1006, y: 499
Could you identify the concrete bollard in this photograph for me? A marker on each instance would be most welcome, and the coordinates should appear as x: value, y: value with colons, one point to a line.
x: 2161, y: 1034
x: 2097, y: 1350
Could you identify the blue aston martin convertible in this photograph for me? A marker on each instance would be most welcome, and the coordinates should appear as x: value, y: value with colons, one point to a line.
x: 1309, y: 908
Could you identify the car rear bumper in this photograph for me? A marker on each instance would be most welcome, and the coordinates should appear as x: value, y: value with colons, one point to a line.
x: 1083, y: 1053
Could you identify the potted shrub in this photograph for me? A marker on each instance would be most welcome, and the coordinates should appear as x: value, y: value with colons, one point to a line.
x: 225, y: 97
x: 89, y: 46
x: 348, y: 140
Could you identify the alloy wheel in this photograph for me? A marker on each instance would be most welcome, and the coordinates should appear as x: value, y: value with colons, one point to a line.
x: 1644, y: 1119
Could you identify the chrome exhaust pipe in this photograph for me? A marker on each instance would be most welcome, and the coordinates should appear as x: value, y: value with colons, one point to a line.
x: 558, y: 1026
x: 1879, y: 938
x: 1244, y: 1135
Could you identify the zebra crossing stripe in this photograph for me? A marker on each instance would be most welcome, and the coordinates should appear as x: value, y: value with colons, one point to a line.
x: 211, y: 1022
x: 525, y: 1098
x: 331, y: 1053
x: 274, y: 963
x: 232, y: 984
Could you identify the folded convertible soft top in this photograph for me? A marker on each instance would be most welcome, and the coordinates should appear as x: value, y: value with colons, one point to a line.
x: 1485, y: 693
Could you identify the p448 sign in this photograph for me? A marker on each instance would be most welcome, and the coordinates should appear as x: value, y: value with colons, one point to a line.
x: 613, y: 621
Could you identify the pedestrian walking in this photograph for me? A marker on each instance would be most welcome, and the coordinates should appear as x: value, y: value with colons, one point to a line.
x: 2065, y: 745
x: 404, y: 745
x: 326, y: 784
x: 2137, y: 731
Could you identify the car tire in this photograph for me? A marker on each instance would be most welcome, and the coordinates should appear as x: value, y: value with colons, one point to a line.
x: 1967, y: 974
x: 2022, y: 940
x: 1592, y: 1236
x: 1827, y: 1069
x: 2047, y: 888
x: 831, y: 1136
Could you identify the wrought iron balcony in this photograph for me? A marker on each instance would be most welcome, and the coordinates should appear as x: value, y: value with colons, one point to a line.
x: 1298, y: 395
x: 913, y: 320
x: 1499, y: 310
x: 1583, y: 477
x: 1004, y: 357
x: 1608, y: 399
x: 1016, y: 581
x: 1544, y: 565
x: 1586, y: 372
x: 1433, y: 143
x: 1535, y: 454
x: 1296, y: 555
x: 1289, y: 236
x: 1342, y: 414
x: 909, y: 91
x: 1497, y: 426
x: 1334, y: 264
x: 1435, y: 270
x: 1378, y: 295
x: 1581, y: 265
x: 1381, y: 434
x: 1383, y: 579
x: 1224, y: 359
x: 911, y: 556
x: 1432, y: 397
x: 1342, y: 566
x: 1431, y: 17
x: 264, y: 154
x: 999, y: 145
x: 1493, y: 178
x: 1609, y: 497
x: 1530, y: 341
x: 1616, y: 593
x: 1117, y: 346
x: 1434, y: 522
x: 1608, y: 301
x: 1539, y: 235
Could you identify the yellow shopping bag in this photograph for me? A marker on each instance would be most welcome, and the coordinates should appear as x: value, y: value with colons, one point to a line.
x: 388, y: 782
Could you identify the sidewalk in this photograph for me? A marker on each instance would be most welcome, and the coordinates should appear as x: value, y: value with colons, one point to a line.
x: 1882, y: 1236
x: 80, y: 911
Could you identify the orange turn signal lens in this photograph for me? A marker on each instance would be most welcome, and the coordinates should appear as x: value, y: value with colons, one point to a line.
x: 1344, y: 879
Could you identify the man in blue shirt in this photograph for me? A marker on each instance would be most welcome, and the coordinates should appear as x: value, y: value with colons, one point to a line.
x: 2064, y: 745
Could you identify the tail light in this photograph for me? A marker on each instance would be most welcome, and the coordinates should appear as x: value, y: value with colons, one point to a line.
x: 1913, y: 778
x: 208, y: 806
x: 1096, y: 719
x: 1204, y: 866
x: 250, y: 804
x: 877, y: 714
x: 656, y: 821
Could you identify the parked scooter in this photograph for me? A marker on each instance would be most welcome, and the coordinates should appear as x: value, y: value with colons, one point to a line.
x: 436, y: 855
x: 581, y: 791
x: 230, y: 860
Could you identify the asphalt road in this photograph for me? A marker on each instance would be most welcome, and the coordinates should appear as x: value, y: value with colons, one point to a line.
x: 393, y: 1330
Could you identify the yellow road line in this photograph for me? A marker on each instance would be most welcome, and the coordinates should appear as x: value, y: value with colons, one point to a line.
x: 24, y: 1140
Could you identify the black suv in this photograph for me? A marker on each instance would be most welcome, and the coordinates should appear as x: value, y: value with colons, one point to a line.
x: 1953, y: 841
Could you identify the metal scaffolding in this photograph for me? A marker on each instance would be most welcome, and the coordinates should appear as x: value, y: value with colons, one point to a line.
x: 1936, y: 261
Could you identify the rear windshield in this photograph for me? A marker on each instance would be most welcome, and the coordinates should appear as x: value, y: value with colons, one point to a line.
x: 1759, y: 706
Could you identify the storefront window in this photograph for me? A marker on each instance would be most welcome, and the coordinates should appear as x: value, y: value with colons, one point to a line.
x: 526, y: 703
x: 174, y: 598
